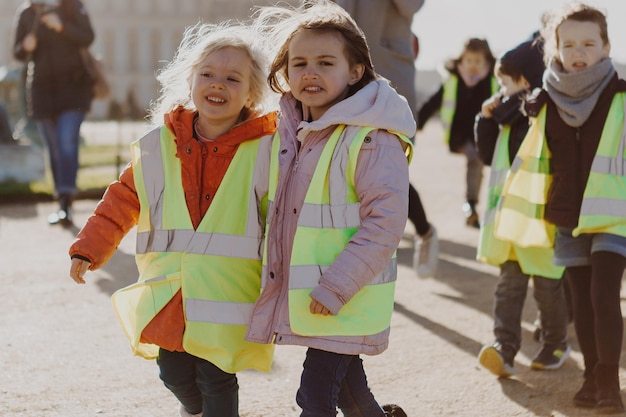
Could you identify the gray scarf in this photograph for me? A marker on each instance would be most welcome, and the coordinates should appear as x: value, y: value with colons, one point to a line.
x: 576, y: 93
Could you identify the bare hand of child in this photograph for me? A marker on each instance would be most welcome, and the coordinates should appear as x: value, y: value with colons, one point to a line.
x: 490, y: 104
x: 53, y: 21
x: 29, y: 43
x: 318, y: 308
x: 78, y: 269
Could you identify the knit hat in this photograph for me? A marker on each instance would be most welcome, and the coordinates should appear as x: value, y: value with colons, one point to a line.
x: 527, y: 59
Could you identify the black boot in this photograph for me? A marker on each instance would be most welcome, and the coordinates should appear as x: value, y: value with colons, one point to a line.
x: 586, y: 395
x: 608, y: 396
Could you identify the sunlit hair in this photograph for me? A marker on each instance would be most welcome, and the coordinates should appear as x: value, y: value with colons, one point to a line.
x: 200, y: 41
x: 575, y: 11
x: 283, y: 23
x: 475, y: 45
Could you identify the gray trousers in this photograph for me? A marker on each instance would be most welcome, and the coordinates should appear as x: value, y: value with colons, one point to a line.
x: 509, y: 302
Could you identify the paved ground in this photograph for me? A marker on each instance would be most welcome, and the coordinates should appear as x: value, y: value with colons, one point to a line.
x: 62, y: 353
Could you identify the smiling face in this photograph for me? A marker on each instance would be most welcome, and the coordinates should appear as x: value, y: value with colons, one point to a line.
x: 580, y: 45
x: 220, y: 89
x: 318, y: 70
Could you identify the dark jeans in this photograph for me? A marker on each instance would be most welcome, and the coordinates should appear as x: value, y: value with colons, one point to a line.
x: 200, y: 386
x: 62, y: 136
x: 509, y: 303
x: 330, y: 380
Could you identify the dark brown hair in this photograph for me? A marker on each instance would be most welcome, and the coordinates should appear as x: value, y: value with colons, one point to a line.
x: 323, y: 16
x: 476, y: 45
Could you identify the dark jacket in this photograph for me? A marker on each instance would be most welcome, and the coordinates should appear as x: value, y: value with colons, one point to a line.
x: 57, y: 80
x: 468, y: 103
x: 486, y: 131
x: 573, y: 150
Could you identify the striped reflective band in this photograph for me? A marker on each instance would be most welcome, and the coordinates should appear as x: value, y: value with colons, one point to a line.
x: 308, y: 276
x: 603, y: 207
x: 198, y: 243
x: 610, y: 166
x: 219, y: 312
x: 325, y: 216
x: 153, y: 175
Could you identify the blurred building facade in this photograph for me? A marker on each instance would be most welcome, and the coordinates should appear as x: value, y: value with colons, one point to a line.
x: 135, y: 39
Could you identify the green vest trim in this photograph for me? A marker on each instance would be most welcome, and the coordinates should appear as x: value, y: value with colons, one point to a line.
x: 532, y: 260
x: 332, y: 200
x: 519, y: 217
x: 603, y: 209
x: 217, y: 266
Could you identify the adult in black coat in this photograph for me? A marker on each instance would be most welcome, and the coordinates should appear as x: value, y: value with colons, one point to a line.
x: 49, y: 36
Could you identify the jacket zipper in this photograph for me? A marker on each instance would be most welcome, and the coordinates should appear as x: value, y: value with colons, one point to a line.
x: 284, y: 290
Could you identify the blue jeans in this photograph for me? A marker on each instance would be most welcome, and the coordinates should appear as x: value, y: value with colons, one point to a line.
x: 62, y: 136
x: 330, y: 380
x: 200, y: 386
x: 509, y: 303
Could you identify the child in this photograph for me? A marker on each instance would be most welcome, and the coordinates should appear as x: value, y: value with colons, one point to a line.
x: 500, y: 130
x: 574, y: 154
x: 459, y: 100
x: 197, y: 190
x: 339, y: 195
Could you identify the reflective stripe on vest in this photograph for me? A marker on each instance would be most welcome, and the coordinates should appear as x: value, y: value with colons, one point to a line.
x: 217, y: 266
x: 532, y: 260
x: 333, y: 205
x: 603, y: 208
x: 521, y: 207
x: 448, y: 102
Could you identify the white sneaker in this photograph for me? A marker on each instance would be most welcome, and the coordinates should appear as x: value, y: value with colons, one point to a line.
x: 185, y: 413
x: 426, y: 253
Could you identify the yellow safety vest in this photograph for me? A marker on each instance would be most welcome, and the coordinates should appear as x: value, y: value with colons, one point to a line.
x: 330, y: 214
x: 217, y: 266
x: 494, y: 251
x: 522, y: 205
x: 603, y: 209
x: 448, y: 103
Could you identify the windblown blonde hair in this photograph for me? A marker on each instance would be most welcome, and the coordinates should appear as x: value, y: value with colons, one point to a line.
x: 198, y: 42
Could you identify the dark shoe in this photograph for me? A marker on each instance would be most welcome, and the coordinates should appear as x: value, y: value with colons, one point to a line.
x: 471, y: 215
x: 393, y: 410
x: 586, y: 395
x: 610, y: 406
x: 608, y: 396
x: 551, y: 357
x: 496, y: 361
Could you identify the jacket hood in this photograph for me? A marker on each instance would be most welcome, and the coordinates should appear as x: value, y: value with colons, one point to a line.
x: 377, y: 105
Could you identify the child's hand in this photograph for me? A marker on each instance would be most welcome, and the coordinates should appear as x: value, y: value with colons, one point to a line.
x: 78, y: 269
x: 53, y: 21
x: 29, y: 43
x: 488, y: 105
x: 318, y: 308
